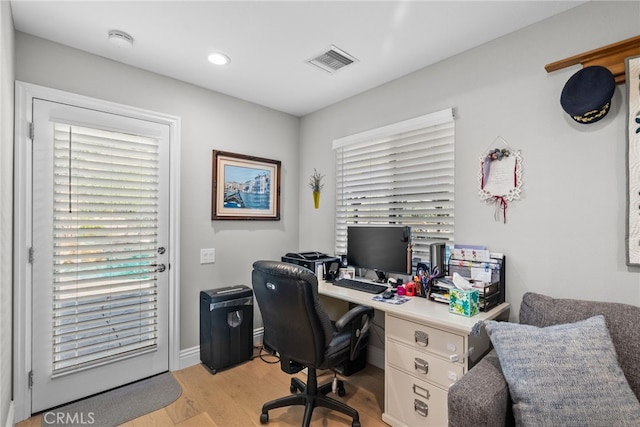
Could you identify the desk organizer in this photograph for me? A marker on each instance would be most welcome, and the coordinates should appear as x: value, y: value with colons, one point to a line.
x: 490, y: 294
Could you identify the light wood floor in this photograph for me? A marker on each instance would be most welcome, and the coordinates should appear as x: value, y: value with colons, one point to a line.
x: 234, y: 397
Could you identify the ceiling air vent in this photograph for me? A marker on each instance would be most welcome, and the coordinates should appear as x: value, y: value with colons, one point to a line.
x: 332, y: 60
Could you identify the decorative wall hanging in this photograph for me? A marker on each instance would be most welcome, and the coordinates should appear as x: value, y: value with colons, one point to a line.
x: 500, y: 176
x: 245, y: 187
x: 315, y: 183
x: 633, y: 161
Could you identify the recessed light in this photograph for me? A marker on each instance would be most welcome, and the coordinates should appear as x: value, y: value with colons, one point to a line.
x: 218, y: 58
x: 120, y: 38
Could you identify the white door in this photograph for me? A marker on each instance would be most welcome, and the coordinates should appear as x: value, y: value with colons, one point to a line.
x: 100, y: 248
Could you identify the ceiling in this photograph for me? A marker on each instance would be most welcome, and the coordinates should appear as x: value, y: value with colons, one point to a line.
x: 270, y: 42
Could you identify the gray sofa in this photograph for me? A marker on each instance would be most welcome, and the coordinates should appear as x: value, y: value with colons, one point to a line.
x: 481, y: 397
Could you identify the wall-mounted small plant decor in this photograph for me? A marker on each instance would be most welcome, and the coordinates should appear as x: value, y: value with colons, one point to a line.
x: 316, y: 184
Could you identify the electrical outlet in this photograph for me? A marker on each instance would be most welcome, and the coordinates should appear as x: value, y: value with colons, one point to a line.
x: 207, y: 256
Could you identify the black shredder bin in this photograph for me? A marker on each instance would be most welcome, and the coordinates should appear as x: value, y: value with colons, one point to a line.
x: 226, y: 326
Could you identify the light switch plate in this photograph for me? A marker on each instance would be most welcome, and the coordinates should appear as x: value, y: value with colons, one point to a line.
x: 207, y: 256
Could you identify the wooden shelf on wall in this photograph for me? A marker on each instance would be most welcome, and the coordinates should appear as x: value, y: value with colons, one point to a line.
x: 611, y: 56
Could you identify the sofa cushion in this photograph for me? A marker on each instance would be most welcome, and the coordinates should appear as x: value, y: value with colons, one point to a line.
x: 566, y: 374
x: 622, y: 322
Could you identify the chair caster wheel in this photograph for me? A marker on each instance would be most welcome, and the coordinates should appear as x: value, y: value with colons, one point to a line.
x: 264, y: 418
x: 355, y: 423
x: 341, y: 392
x: 293, y: 389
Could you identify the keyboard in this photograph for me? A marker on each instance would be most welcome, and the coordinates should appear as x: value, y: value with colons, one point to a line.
x: 358, y: 285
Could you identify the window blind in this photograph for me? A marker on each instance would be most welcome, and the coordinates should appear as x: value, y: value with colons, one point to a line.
x: 399, y: 174
x: 104, y: 254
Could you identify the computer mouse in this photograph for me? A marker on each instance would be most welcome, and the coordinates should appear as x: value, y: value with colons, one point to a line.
x: 387, y: 294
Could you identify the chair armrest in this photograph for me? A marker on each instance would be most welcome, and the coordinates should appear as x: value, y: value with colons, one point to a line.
x: 358, y: 319
x: 481, y: 396
x: 356, y: 313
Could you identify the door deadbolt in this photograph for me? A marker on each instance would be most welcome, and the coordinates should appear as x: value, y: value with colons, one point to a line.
x: 159, y: 267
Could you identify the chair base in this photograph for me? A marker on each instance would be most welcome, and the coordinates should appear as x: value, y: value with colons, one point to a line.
x: 311, y: 396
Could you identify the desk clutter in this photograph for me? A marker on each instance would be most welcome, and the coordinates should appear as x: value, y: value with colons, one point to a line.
x: 394, y: 299
x: 471, y: 280
x: 475, y: 281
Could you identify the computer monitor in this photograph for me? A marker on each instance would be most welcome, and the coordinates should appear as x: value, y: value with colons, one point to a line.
x: 382, y: 248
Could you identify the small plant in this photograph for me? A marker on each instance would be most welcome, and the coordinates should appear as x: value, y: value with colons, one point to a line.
x: 497, y: 154
x: 315, y: 181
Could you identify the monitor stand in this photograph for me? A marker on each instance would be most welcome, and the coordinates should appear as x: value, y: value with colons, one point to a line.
x: 382, y: 277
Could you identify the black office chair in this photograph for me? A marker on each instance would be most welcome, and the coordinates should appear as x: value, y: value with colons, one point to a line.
x: 300, y: 332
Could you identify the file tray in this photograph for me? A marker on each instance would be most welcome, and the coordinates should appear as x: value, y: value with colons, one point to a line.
x: 491, y: 293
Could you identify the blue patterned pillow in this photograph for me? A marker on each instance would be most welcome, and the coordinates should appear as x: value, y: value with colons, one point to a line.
x: 564, y: 375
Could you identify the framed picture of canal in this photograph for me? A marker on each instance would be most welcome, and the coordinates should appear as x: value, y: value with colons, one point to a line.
x: 245, y: 187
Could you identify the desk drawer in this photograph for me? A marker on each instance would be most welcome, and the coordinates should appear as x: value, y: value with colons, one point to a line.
x: 423, y: 365
x: 424, y: 337
x: 414, y: 402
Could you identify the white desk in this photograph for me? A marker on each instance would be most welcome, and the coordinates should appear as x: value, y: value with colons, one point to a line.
x: 426, y: 350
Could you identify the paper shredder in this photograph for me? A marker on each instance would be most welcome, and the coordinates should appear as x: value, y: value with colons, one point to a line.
x: 226, y: 326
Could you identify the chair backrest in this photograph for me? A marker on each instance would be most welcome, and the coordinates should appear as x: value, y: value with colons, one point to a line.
x: 294, y: 323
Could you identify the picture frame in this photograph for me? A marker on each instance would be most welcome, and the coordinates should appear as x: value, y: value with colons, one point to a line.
x: 632, y: 238
x: 244, y: 187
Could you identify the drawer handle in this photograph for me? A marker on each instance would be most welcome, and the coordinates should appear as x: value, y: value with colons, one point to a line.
x: 420, y: 407
x: 421, y: 391
x: 421, y: 365
x: 421, y: 337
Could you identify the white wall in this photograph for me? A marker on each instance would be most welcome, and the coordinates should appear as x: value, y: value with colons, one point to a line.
x: 566, y: 236
x: 6, y: 207
x: 209, y: 121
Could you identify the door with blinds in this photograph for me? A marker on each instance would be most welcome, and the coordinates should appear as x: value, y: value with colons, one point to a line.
x: 100, y: 235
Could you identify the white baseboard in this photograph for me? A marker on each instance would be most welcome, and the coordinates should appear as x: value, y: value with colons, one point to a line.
x: 191, y: 356
x: 10, y: 422
x: 257, y: 336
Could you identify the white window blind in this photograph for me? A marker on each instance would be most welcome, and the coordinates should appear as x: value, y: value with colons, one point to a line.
x: 104, y: 254
x: 399, y: 174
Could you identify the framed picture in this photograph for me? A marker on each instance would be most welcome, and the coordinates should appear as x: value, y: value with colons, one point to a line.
x: 633, y: 160
x: 245, y: 187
